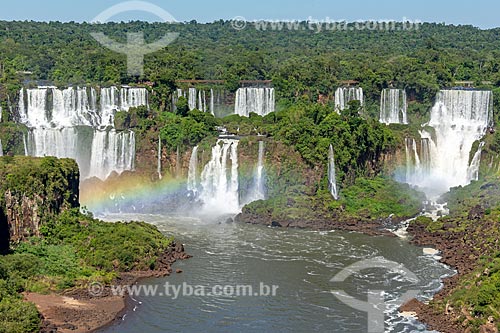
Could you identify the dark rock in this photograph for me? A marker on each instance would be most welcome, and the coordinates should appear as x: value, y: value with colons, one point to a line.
x: 276, y: 224
x: 178, y: 270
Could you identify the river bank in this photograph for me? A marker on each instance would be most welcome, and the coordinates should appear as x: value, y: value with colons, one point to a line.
x: 468, y: 240
x: 83, y: 310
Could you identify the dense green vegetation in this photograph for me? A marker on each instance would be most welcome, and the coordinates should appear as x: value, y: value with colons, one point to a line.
x: 54, y: 180
x: 305, y: 68
x: 299, y: 62
x: 53, y: 246
x: 74, y: 250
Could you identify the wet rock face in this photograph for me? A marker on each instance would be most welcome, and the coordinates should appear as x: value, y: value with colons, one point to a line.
x: 33, y: 190
x: 23, y: 215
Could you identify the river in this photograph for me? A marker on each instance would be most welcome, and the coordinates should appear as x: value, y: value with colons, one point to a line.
x: 300, y: 262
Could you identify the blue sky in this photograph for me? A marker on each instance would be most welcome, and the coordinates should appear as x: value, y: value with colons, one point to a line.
x: 481, y: 13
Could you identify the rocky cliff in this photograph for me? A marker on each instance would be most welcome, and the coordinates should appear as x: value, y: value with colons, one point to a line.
x: 32, y: 190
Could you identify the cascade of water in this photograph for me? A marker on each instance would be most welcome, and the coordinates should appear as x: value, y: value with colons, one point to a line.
x: 159, y: 158
x: 260, y: 171
x: 332, y: 181
x: 257, y: 190
x: 212, y: 102
x: 1, y: 148
x: 111, y: 152
x: 473, y: 170
x: 219, y: 185
x: 257, y: 100
x: 393, y: 106
x: 192, y: 98
x: 25, y: 145
x: 459, y: 118
x: 133, y: 97
x: 425, y: 155
x: 193, y: 166
x: 344, y: 95
x: 36, y: 112
x: 67, y: 123
x: 23, y: 117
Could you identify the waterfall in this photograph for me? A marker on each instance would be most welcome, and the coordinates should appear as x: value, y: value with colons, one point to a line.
x: 70, y: 123
x: 111, y: 151
x: 458, y: 118
x: 346, y: 94
x: 473, y: 170
x: 212, y: 102
x: 25, y: 146
x: 259, y: 179
x: 1, y: 148
x: 133, y: 97
x: 332, y: 181
x: 197, y: 99
x: 393, y: 106
x: 257, y: 100
x: 219, y: 184
x: 257, y: 190
x: 23, y: 117
x: 193, y: 166
x: 192, y: 98
x: 159, y: 158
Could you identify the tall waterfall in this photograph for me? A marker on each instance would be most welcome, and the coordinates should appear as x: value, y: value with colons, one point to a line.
x: 258, y: 189
x: 344, y: 95
x: 332, y: 180
x: 1, y: 148
x: 257, y: 100
x: 219, y: 182
x: 70, y: 123
x: 393, y: 106
x: 458, y: 118
x: 193, y: 167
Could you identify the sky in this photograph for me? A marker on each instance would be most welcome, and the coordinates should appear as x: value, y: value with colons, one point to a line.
x: 481, y: 13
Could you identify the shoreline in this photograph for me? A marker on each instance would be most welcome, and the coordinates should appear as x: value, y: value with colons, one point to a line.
x: 453, y: 253
x: 77, y: 311
x: 448, y: 244
x: 60, y: 323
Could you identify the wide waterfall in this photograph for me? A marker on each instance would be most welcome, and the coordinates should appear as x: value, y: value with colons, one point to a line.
x: 332, y: 179
x: 257, y: 100
x: 458, y: 119
x: 346, y: 94
x: 393, y: 106
x: 70, y: 123
x: 219, y: 182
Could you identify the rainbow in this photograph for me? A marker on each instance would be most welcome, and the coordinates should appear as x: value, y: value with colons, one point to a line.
x: 130, y: 192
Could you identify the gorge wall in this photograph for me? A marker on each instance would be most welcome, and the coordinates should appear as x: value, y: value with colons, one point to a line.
x: 33, y: 190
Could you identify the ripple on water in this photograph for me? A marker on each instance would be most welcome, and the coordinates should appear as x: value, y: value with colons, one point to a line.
x: 301, y: 262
